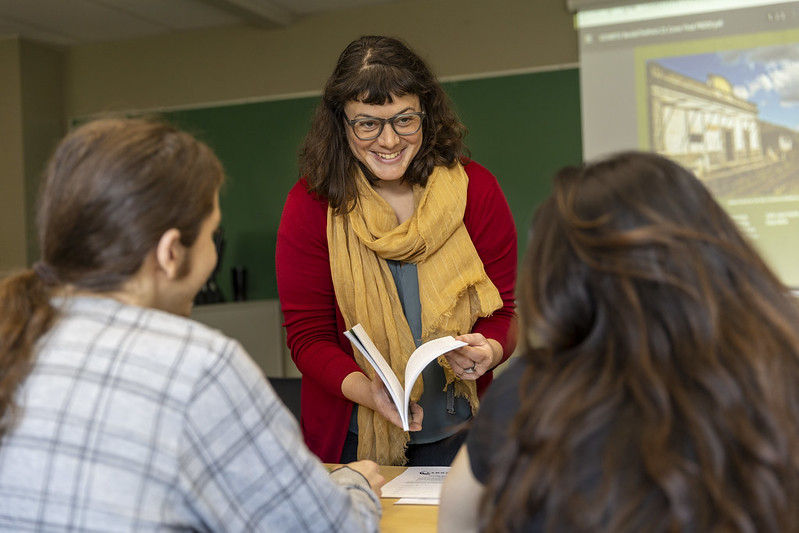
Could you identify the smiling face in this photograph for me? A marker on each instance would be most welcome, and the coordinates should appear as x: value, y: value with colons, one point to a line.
x: 389, y: 155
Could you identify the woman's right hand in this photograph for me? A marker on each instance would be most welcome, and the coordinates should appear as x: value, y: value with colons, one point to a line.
x: 357, y: 387
x: 385, y: 406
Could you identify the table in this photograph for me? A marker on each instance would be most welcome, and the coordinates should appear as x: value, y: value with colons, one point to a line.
x: 405, y: 518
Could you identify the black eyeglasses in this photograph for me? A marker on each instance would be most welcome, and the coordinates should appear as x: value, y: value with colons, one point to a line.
x: 369, y: 128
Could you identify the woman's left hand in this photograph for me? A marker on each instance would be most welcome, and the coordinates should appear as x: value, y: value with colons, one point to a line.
x: 472, y: 361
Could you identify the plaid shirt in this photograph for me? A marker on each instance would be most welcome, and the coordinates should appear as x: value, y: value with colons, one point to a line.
x: 137, y: 420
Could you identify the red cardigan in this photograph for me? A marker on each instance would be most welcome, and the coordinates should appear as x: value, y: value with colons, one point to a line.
x: 314, y: 324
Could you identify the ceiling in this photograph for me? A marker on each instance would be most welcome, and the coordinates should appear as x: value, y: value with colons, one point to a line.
x: 69, y: 22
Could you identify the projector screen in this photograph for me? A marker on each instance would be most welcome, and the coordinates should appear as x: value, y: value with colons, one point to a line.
x: 714, y: 85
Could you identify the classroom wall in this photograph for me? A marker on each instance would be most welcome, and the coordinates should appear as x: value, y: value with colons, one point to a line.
x: 43, y: 123
x: 31, y: 121
x: 457, y: 37
x: 12, y: 192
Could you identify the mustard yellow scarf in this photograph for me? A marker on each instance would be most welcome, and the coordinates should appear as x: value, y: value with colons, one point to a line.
x: 453, y: 287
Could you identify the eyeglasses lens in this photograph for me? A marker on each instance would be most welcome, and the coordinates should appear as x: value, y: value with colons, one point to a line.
x: 372, y: 128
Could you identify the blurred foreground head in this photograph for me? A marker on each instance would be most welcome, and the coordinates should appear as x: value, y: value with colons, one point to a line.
x: 662, y: 391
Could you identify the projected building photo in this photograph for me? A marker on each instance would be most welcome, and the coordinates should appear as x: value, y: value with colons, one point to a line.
x: 731, y: 117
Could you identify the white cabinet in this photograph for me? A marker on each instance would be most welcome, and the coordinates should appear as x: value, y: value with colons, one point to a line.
x: 258, y: 325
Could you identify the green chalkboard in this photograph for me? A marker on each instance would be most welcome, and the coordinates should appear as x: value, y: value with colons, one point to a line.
x: 522, y: 127
x: 257, y: 143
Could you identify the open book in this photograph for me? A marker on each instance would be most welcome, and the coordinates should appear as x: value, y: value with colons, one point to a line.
x: 419, y: 359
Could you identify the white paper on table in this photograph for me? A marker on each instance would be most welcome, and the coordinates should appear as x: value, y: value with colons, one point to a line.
x: 418, y: 482
x: 417, y: 501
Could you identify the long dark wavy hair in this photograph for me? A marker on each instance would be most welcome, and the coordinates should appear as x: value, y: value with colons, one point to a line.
x: 110, y: 191
x: 375, y: 70
x: 662, y: 393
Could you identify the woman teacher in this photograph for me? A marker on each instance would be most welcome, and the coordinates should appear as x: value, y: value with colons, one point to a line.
x: 393, y: 227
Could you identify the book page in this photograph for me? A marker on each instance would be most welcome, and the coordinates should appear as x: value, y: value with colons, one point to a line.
x: 419, y: 359
x: 358, y: 336
x: 423, y: 356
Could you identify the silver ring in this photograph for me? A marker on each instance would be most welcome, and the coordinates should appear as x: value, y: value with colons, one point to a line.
x: 470, y: 370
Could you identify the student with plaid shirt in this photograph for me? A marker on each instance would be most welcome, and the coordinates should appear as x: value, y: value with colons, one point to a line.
x: 118, y: 413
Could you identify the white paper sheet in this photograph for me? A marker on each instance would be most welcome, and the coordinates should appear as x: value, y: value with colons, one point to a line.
x: 417, y: 482
x: 417, y: 501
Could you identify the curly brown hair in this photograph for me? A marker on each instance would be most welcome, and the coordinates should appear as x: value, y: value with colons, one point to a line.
x: 375, y: 70
x: 661, y: 394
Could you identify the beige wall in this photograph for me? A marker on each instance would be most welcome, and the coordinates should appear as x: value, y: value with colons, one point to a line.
x: 12, y: 187
x: 31, y: 121
x: 458, y: 37
x: 43, y: 123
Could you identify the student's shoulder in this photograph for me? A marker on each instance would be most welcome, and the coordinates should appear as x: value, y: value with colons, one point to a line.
x: 198, y: 336
x: 151, y: 335
x: 208, y: 348
x: 505, y: 386
x: 489, y: 430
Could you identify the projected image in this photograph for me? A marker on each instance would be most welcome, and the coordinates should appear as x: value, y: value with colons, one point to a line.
x: 732, y: 117
x: 713, y: 86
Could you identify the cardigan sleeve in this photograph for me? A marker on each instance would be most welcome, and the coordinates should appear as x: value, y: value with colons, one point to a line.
x: 306, y: 292
x: 493, y: 231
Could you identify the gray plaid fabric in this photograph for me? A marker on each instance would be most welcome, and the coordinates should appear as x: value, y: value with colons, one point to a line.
x: 139, y: 420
